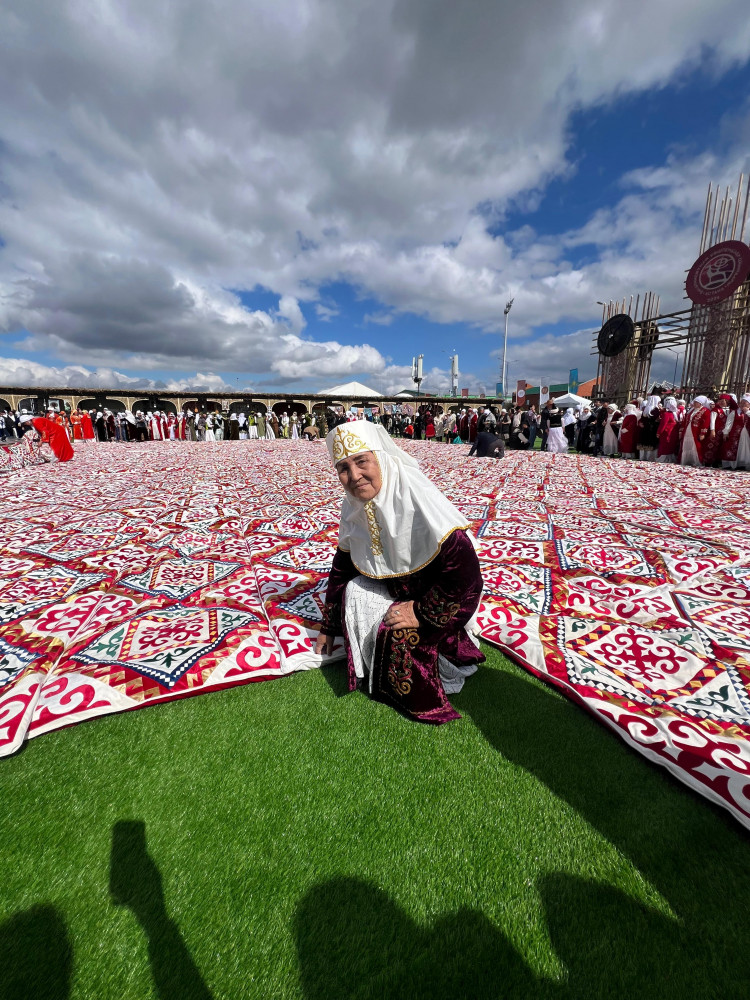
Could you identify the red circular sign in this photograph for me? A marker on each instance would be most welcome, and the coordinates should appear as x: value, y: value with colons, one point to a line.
x: 520, y: 395
x: 718, y: 272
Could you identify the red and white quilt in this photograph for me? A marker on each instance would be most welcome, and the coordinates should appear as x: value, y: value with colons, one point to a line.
x: 140, y: 573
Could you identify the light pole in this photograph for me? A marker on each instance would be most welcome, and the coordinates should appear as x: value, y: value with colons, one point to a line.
x: 416, y: 371
x: 676, y: 359
x: 505, y: 342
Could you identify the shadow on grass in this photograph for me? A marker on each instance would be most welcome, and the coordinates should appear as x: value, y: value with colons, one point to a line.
x: 690, y: 852
x: 336, y: 678
x: 36, y: 958
x: 135, y: 882
x: 354, y: 941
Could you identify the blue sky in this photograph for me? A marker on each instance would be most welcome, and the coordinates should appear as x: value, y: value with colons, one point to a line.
x: 336, y: 200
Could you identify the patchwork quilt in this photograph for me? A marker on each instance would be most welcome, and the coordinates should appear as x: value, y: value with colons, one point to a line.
x: 140, y: 573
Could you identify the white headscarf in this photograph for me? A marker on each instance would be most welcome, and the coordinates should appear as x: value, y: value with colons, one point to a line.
x: 411, y: 516
x: 629, y: 410
x: 703, y: 400
x: 670, y: 404
x: 568, y: 417
x: 650, y: 405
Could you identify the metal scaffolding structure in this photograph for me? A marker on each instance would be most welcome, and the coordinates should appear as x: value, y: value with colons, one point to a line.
x: 715, y: 337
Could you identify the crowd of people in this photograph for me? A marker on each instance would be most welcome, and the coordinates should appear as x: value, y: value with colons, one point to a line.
x: 704, y: 433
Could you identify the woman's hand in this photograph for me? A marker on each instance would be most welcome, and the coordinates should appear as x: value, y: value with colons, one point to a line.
x: 324, y: 645
x: 401, y: 615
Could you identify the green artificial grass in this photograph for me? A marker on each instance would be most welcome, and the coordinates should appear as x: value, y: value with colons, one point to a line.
x: 289, y: 840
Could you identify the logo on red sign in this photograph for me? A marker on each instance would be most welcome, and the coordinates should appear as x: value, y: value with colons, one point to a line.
x: 718, y: 272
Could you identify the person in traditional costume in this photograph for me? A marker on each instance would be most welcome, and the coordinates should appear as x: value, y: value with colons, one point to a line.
x: 736, y: 423
x: 628, y: 439
x: 75, y: 420
x: 696, y: 429
x: 285, y: 424
x: 743, y: 438
x: 405, y: 581
x: 648, y: 425
x: 429, y: 427
x: 209, y: 435
x: 154, y: 426
x: 111, y: 424
x: 243, y: 426
x: 668, y: 433
x: 294, y: 424
x: 171, y: 427
x: 274, y: 424
x: 252, y: 427
x: 569, y: 425
x: 56, y: 437
x: 463, y: 426
x: 557, y: 442
x: 218, y: 425
x: 473, y: 425
x: 200, y: 427
x: 725, y: 405
x: 234, y: 426
x: 270, y: 436
x: 260, y: 423
x: 181, y: 426
x: 449, y: 428
x: 191, y: 430
x: 611, y: 428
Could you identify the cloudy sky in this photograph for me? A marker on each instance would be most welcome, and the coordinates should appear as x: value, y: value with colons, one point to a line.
x: 295, y: 193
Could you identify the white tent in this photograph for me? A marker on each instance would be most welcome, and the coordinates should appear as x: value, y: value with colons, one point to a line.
x: 351, y: 390
x: 570, y: 399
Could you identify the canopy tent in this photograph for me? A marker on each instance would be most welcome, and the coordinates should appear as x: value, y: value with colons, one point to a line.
x: 351, y: 390
x: 570, y: 399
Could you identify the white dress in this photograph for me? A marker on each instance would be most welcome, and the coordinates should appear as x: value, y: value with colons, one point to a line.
x: 366, y: 604
x: 210, y: 430
x: 556, y: 441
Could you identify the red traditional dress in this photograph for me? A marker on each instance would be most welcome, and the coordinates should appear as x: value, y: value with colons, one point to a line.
x: 87, y: 427
x: 697, y: 426
x: 75, y: 420
x: 718, y: 421
x: 668, y: 433
x: 55, y: 435
x: 473, y: 427
x: 429, y: 429
x: 628, y: 439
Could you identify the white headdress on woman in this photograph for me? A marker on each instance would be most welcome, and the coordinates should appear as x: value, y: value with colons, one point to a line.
x: 403, y: 527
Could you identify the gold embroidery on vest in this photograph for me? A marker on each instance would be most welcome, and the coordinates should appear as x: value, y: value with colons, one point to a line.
x: 374, y: 529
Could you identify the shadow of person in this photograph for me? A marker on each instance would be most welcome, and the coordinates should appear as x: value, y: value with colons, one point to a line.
x: 689, y: 850
x: 354, y: 941
x: 135, y: 882
x: 601, y: 936
x: 36, y: 958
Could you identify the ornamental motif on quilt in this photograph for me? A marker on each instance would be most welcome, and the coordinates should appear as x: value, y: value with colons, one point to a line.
x: 399, y: 666
x: 346, y: 443
x: 374, y: 528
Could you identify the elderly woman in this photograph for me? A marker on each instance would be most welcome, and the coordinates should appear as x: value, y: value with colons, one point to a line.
x: 405, y: 580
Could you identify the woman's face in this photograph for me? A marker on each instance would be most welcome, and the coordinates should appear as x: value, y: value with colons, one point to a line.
x: 360, y: 475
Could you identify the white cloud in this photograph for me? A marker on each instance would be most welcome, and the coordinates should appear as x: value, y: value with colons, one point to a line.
x: 155, y: 155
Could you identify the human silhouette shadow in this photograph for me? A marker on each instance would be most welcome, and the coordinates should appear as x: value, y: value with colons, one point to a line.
x: 135, y: 882
x: 36, y: 958
x: 354, y: 941
x: 691, y: 852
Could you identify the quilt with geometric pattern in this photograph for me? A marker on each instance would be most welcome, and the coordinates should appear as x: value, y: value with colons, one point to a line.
x: 140, y: 573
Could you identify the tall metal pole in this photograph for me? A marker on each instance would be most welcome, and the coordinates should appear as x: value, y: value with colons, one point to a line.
x: 505, y: 343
